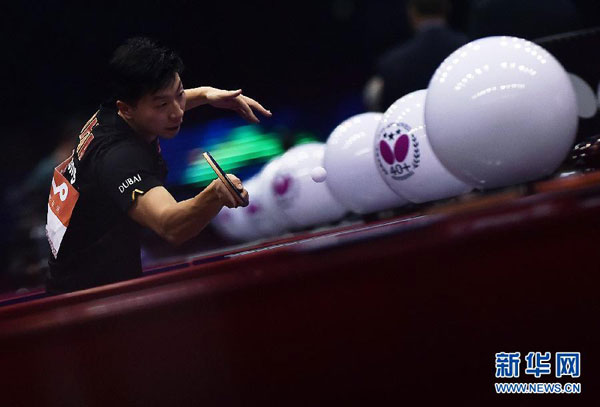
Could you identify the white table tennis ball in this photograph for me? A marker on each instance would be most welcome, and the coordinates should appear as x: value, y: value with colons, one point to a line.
x: 500, y: 111
x: 303, y: 201
x: 318, y: 174
x: 352, y: 174
x: 404, y: 157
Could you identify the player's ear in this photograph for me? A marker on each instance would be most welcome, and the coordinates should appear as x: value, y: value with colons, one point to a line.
x: 125, y: 109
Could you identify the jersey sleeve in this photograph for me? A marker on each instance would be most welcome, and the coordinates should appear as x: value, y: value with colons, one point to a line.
x: 126, y: 172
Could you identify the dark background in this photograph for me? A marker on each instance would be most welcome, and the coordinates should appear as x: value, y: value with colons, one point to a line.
x: 281, y: 53
x: 309, y: 55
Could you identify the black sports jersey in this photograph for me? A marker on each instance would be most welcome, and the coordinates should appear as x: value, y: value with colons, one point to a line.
x: 110, y: 167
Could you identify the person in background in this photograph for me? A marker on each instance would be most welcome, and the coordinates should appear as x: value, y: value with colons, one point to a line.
x: 27, y: 261
x: 409, y: 66
x: 529, y: 19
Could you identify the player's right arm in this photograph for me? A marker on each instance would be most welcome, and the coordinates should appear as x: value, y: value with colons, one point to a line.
x: 178, y: 222
x: 129, y: 176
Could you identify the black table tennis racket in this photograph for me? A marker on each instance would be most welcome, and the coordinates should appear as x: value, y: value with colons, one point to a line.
x: 225, y: 179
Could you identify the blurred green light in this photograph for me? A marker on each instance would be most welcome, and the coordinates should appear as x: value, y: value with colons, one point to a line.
x: 304, y: 138
x: 243, y: 146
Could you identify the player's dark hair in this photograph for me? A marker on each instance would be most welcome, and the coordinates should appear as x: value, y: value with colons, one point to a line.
x: 430, y: 7
x: 141, y: 66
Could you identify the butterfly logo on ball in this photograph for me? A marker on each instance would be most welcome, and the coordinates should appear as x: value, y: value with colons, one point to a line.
x: 284, y: 189
x: 395, y: 141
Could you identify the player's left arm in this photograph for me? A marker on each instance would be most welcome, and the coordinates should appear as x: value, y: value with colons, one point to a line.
x: 225, y: 99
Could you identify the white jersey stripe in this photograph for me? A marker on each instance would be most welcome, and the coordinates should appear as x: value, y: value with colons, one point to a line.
x: 55, y: 231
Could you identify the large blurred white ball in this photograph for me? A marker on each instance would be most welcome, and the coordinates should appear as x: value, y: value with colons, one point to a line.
x: 352, y: 175
x: 224, y: 224
x: 274, y: 221
x: 500, y: 111
x: 233, y: 224
x: 303, y: 201
x: 256, y: 220
x: 247, y: 223
x: 264, y: 221
x: 404, y: 156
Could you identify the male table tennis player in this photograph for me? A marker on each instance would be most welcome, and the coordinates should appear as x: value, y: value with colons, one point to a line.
x: 113, y: 182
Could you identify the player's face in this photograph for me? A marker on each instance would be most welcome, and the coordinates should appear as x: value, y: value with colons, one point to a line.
x: 161, y: 113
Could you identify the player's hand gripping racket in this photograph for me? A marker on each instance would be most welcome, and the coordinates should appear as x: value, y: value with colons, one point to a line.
x: 237, y: 193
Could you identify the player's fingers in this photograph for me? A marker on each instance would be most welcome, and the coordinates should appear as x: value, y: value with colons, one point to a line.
x: 229, y: 200
x: 235, y: 181
x: 255, y: 105
x: 225, y: 195
x: 230, y: 94
x: 242, y: 113
x: 246, y: 197
x: 248, y: 114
